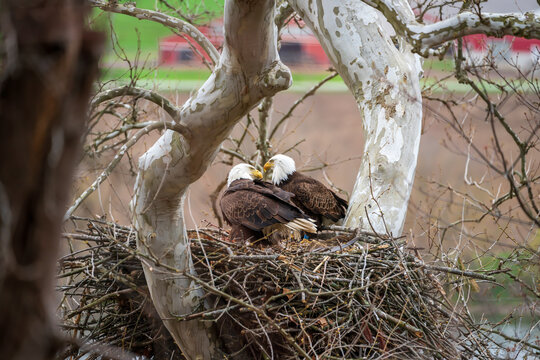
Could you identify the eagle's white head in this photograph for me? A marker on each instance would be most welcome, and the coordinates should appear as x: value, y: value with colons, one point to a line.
x: 243, y: 171
x: 282, y: 166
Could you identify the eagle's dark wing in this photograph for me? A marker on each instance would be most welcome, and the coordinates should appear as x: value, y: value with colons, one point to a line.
x: 315, y: 198
x: 256, y: 207
x: 275, y: 191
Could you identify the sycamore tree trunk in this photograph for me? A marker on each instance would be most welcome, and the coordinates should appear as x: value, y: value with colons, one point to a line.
x: 385, y: 81
x: 248, y: 70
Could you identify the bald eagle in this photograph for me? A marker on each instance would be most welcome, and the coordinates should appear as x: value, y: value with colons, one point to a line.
x: 315, y: 199
x: 256, y: 209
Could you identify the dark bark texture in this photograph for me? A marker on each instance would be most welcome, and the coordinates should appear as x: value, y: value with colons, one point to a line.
x: 49, y: 65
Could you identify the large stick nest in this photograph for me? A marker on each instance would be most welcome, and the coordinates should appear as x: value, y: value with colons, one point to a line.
x: 348, y: 296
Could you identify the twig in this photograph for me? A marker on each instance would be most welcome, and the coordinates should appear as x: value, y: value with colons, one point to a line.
x: 161, y: 101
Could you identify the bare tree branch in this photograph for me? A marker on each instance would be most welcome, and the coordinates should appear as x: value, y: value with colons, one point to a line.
x: 164, y: 19
x: 425, y: 37
x: 159, y: 100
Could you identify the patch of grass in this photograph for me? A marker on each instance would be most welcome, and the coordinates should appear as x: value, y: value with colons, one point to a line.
x: 190, y: 74
x: 187, y: 79
x: 445, y: 64
x: 158, y: 73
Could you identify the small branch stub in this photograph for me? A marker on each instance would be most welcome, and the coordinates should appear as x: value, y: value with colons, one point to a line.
x: 274, y: 79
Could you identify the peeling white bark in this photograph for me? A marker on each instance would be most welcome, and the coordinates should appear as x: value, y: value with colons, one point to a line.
x: 385, y: 82
x: 248, y: 70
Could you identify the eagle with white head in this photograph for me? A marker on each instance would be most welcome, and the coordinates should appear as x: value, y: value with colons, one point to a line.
x: 259, y: 210
x: 315, y: 199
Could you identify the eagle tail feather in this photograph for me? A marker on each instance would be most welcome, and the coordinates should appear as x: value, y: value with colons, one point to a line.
x: 307, y: 225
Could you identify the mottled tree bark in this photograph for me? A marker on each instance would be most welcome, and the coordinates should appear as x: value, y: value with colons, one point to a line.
x: 385, y: 81
x: 424, y: 37
x: 49, y: 68
x: 384, y: 78
x: 248, y: 70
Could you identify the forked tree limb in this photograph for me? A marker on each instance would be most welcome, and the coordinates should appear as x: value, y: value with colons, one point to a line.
x: 172, y: 110
x: 248, y: 70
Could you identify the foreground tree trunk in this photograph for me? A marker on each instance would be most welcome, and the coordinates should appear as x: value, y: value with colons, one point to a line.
x: 49, y: 69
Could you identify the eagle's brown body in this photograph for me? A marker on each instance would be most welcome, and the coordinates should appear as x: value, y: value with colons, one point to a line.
x: 315, y: 199
x: 250, y: 207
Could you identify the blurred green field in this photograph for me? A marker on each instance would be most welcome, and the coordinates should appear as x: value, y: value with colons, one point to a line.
x: 135, y: 35
x: 201, y: 74
x: 520, y: 264
x: 138, y: 40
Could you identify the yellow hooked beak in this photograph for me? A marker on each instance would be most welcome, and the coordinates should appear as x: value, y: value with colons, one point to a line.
x: 268, y: 166
x: 256, y: 173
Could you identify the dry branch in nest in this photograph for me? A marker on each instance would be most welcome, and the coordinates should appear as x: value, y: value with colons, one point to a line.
x: 348, y: 296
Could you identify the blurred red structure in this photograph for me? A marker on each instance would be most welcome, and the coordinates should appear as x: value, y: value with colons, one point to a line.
x: 177, y: 50
x: 298, y: 47
x: 480, y: 42
x: 509, y: 50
